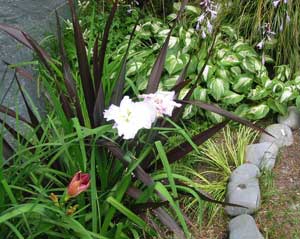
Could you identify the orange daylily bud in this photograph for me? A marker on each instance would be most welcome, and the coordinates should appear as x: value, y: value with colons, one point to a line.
x: 79, y: 183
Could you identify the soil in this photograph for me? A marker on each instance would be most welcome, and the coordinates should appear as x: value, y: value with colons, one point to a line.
x: 279, y: 215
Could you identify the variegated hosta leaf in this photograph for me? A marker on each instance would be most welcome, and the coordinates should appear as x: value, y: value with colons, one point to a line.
x: 229, y: 31
x: 133, y: 68
x: 236, y: 70
x: 230, y: 60
x: 281, y: 108
x: 278, y: 86
x: 243, y: 83
x: 217, y: 88
x: 242, y: 110
x: 189, y: 112
x: 200, y: 94
x: 215, y: 118
x: 222, y: 73
x: 173, y: 64
x: 258, y: 112
x: 297, y: 81
x: 208, y: 72
x: 287, y: 94
x: 248, y: 65
x: 258, y: 93
x: 232, y: 98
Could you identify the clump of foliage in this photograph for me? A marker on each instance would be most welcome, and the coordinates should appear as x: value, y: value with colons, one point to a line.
x: 210, y: 168
x: 249, y: 18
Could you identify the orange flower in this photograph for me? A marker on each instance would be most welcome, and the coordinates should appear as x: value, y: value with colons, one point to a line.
x: 79, y: 183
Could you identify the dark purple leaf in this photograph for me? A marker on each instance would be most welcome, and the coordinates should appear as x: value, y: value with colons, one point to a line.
x: 34, y: 120
x: 11, y: 113
x: 183, y: 149
x: 205, y: 196
x: 66, y: 106
x: 43, y: 56
x: 100, y: 60
x: 119, y: 87
x: 224, y: 113
x: 158, y: 67
x: 100, y: 97
x: 68, y: 78
x: 84, y: 70
x: 17, y: 136
x: 16, y: 34
x: 161, y: 214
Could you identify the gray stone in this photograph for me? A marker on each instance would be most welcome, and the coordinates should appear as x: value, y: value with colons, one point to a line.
x: 283, y: 135
x: 244, y: 227
x: 291, y: 119
x: 243, y: 189
x: 244, y: 172
x: 35, y: 17
x: 263, y: 155
x: 244, y: 193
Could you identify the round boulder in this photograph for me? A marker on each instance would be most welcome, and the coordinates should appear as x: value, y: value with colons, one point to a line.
x: 283, y: 135
x: 291, y: 119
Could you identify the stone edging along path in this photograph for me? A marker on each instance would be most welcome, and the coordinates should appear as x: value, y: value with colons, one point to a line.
x: 243, y: 187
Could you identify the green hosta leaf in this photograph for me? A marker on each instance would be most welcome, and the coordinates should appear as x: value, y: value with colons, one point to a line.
x: 258, y: 66
x: 243, y: 83
x: 169, y: 82
x: 287, y: 94
x: 248, y: 65
x: 230, y: 60
x: 242, y: 110
x: 269, y: 59
x: 277, y: 107
x: 244, y: 49
x: 267, y: 83
x: 133, y: 68
x: 258, y: 93
x: 229, y: 31
x: 173, y: 42
x: 222, y: 52
x: 214, y: 118
x: 189, y: 111
x: 240, y: 45
x: 173, y: 64
x: 222, y: 73
x: 296, y: 81
x: 208, y: 72
x: 195, y: 10
x: 236, y: 70
x: 277, y: 87
x: 200, y: 94
x: 232, y: 98
x: 298, y: 102
x: 258, y: 112
x: 217, y: 88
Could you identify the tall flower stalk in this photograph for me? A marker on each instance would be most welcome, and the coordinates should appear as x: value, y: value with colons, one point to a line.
x: 205, y: 20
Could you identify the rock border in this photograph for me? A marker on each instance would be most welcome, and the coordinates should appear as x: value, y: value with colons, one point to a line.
x: 243, y: 187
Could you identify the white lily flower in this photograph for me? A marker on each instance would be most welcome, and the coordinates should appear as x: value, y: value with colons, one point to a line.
x: 130, y: 117
x: 163, y: 101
